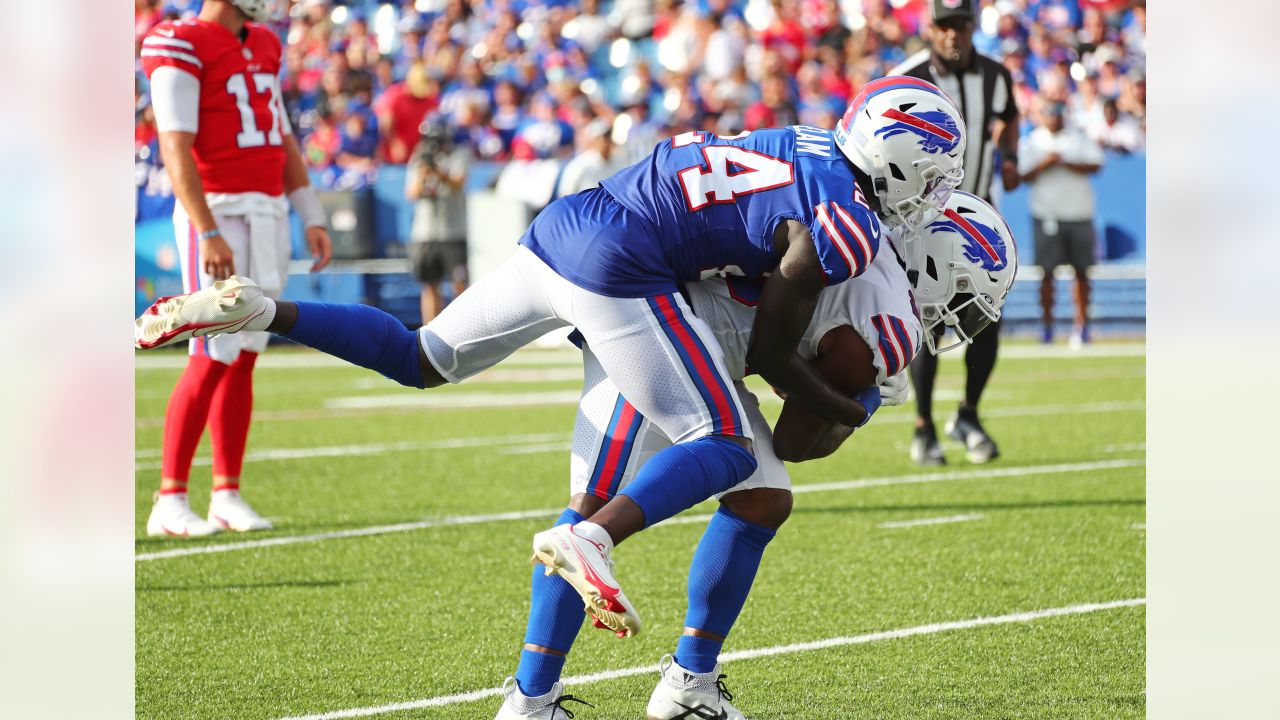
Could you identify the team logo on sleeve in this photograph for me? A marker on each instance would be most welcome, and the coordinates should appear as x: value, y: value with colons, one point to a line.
x: 982, y: 244
x: 937, y: 130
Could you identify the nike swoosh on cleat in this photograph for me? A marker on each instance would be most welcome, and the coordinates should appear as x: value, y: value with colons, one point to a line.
x: 701, y: 712
x: 166, y: 33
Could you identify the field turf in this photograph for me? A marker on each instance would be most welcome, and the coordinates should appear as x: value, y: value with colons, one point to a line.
x: 395, y: 584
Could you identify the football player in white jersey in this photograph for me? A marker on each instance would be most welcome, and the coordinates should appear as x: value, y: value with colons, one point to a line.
x: 862, y: 336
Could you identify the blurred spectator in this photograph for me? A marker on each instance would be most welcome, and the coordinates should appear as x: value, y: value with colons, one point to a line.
x: 1056, y: 163
x: 785, y: 34
x: 438, y: 238
x: 470, y: 87
x: 774, y: 108
x: 1116, y: 130
x: 400, y: 123
x: 1086, y: 104
x: 594, y: 162
x: 507, y: 112
x: 357, y: 146
x: 323, y: 141
x: 543, y: 135
x: 589, y: 29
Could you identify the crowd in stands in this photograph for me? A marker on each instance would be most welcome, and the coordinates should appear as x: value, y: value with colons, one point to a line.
x: 545, y: 79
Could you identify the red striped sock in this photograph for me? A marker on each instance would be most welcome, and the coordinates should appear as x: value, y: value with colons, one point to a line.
x: 185, y: 417
x: 229, y: 418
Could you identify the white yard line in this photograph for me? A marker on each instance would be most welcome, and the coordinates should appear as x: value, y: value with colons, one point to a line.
x: 272, y: 454
x: 1124, y: 447
x: 455, y: 400
x: 1138, y: 526
x: 545, y: 442
x: 552, y: 512
x: 824, y: 644
x: 928, y: 521
x: 299, y: 359
x: 357, y: 532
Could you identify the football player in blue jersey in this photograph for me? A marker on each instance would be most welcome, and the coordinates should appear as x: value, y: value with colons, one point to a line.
x: 799, y: 204
x: 862, y: 336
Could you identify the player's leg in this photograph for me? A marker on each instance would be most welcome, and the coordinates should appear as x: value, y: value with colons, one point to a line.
x: 1083, y: 245
x: 924, y: 442
x: 721, y: 574
x: 609, y: 439
x: 505, y: 311
x: 667, y: 364
x: 964, y: 426
x: 1048, y: 256
x: 231, y: 412
x: 188, y: 409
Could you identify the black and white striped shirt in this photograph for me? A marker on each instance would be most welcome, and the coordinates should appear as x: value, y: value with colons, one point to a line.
x: 984, y: 92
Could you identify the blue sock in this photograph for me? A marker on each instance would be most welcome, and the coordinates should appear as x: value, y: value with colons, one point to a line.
x: 681, y: 476
x: 720, y: 577
x: 555, y: 617
x: 361, y: 335
x: 697, y: 654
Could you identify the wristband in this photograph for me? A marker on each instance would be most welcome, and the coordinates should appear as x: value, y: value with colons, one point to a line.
x: 870, y: 399
x: 207, y: 234
x: 307, y: 205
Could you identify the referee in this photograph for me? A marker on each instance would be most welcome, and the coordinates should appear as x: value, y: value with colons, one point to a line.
x: 983, y: 89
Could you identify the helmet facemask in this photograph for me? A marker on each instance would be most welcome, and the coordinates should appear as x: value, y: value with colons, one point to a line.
x: 966, y: 314
x: 936, y: 186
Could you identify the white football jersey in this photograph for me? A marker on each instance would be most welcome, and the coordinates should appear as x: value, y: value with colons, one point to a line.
x: 877, y: 304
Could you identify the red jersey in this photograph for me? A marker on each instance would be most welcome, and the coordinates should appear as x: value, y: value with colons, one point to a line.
x: 239, y: 144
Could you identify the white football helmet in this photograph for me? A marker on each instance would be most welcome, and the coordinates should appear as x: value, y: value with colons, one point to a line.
x: 910, y: 138
x: 966, y: 259
x: 262, y: 10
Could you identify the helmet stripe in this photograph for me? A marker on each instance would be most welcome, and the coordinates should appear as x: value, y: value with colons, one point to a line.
x: 925, y: 125
x: 973, y: 233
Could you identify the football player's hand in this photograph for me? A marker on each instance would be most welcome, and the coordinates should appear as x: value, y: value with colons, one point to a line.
x: 320, y: 245
x: 217, y: 258
x: 895, y: 390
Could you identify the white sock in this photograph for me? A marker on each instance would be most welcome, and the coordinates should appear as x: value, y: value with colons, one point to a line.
x: 264, y: 320
x: 596, y: 534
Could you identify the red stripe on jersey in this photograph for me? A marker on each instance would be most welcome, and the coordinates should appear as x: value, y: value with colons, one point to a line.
x: 860, y: 236
x: 836, y: 238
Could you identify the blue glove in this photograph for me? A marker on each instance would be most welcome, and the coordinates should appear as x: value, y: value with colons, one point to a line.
x: 870, y: 399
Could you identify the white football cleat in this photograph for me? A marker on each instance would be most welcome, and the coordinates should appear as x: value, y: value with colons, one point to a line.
x: 685, y: 694
x: 224, y: 307
x: 518, y: 706
x: 172, y: 516
x: 588, y: 567
x: 229, y: 511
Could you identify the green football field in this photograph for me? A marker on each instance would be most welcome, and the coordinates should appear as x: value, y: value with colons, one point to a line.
x: 395, y: 584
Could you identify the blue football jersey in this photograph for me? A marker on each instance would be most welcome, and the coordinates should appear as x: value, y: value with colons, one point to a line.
x: 701, y: 206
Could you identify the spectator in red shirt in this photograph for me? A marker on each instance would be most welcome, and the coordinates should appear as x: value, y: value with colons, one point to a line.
x: 421, y: 95
x: 786, y: 35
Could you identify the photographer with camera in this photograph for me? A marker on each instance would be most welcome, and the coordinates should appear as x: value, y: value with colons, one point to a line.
x: 438, y: 238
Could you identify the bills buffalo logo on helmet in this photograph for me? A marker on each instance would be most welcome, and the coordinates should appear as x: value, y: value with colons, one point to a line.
x: 936, y: 129
x: 982, y: 244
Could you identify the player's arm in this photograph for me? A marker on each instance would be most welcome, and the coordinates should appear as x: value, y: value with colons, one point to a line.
x: 302, y: 197
x: 786, y: 306
x: 845, y: 360
x: 175, y: 100
x: 1005, y: 131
